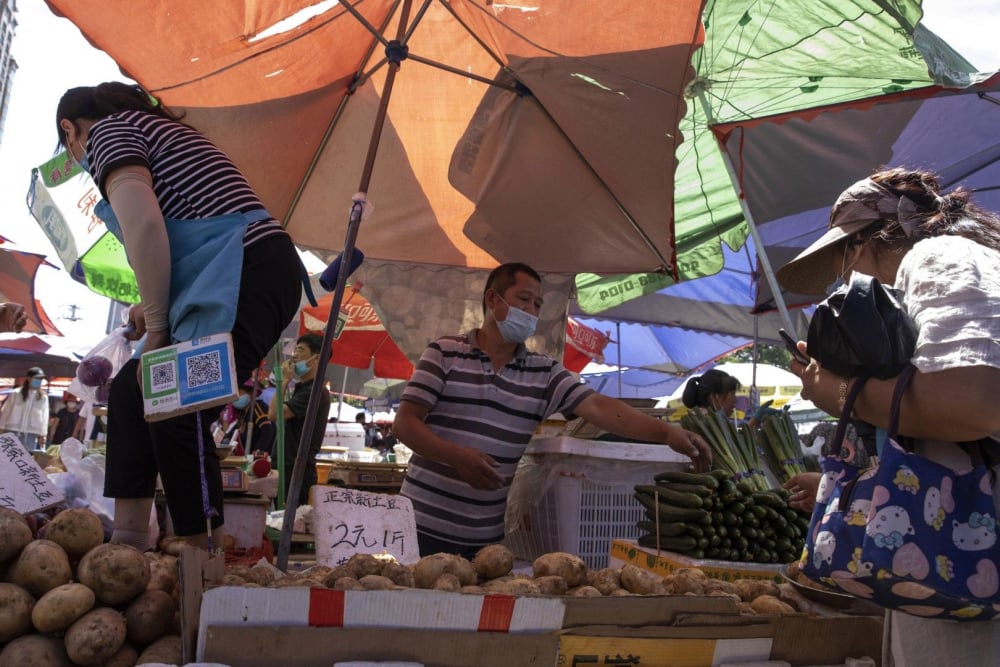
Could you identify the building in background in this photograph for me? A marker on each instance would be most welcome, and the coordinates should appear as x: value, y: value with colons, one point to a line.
x: 8, y: 66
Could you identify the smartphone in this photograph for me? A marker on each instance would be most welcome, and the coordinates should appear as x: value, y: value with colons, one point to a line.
x: 792, y: 347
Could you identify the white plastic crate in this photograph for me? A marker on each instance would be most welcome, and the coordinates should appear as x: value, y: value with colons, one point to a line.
x: 576, y: 496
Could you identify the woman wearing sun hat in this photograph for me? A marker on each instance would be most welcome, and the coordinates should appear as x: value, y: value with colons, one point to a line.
x: 943, y: 253
x: 25, y: 413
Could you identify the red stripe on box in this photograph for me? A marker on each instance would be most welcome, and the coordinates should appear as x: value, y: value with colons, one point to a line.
x: 326, y: 608
x: 496, y: 613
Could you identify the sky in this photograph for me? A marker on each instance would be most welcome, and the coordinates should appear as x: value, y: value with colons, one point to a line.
x: 52, y: 56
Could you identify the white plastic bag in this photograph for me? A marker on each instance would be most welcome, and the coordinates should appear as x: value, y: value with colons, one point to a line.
x: 95, y: 372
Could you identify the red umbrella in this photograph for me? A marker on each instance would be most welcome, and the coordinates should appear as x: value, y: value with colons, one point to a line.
x: 17, y: 284
x: 363, y: 339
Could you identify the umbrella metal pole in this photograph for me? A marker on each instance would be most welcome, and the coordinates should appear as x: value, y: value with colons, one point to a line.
x: 618, y: 335
x: 396, y: 53
x: 765, y: 262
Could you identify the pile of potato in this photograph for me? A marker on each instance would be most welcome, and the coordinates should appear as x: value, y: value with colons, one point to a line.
x: 559, y: 574
x: 71, y: 599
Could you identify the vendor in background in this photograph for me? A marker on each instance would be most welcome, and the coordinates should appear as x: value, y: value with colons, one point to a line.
x: 373, y: 437
x: 67, y: 422
x: 473, y: 404
x: 302, y: 368
x: 716, y: 390
x: 25, y: 413
x: 250, y: 411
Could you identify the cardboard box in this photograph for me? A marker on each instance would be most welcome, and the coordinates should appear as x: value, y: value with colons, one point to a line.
x: 321, y: 647
x: 667, y: 562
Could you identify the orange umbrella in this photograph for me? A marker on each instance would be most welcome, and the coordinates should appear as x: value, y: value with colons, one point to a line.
x: 363, y: 341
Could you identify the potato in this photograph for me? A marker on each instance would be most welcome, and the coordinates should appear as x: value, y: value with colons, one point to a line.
x: 232, y: 580
x: 569, y: 567
x: 750, y: 589
x: 376, y: 582
x: 641, y: 582
x: 162, y: 571
x: 42, y: 566
x: 126, y: 656
x: 337, y: 573
x: 551, y: 584
x: 35, y: 651
x: 149, y: 617
x: 585, y: 592
x: 475, y: 590
x: 347, y: 584
x: 15, y: 612
x: 492, y: 561
x: 165, y: 650
x: 429, y: 568
x: 447, y: 582
x: 398, y: 573
x: 96, y: 636
x: 262, y: 575
x: 60, y: 607
x: 77, y: 531
x: 14, y: 534
x: 512, y: 586
x: 683, y: 584
x: 608, y: 580
x: 768, y: 605
x: 363, y: 564
x: 115, y: 572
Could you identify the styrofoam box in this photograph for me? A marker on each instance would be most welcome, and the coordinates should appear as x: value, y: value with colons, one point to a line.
x: 578, y: 495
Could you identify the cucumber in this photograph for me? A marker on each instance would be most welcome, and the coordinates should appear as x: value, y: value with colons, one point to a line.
x: 770, y: 499
x: 701, y: 479
x: 670, y: 514
x: 671, y: 497
x: 665, y: 529
x: 680, y: 487
x: 720, y: 475
x: 682, y: 544
x: 728, y: 492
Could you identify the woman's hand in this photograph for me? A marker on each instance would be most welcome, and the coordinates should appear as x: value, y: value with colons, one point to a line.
x: 819, y: 385
x: 803, y: 487
x: 136, y: 325
x: 154, y: 341
x: 12, y: 317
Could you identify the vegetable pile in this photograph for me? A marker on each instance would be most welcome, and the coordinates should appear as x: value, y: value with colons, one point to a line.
x: 68, y: 598
x: 711, y: 516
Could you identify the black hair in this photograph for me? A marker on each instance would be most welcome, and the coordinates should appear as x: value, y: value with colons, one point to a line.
x: 31, y: 374
x: 103, y: 100
x: 311, y: 340
x: 950, y: 214
x: 699, y: 388
x: 505, y: 275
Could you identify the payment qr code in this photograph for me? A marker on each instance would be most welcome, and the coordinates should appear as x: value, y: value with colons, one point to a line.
x: 161, y: 377
x: 204, y: 369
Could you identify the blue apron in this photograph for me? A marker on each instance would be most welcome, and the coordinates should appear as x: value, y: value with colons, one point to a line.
x: 206, y: 263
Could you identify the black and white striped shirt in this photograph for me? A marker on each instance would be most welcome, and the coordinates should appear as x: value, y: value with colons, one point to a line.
x: 192, y: 179
x: 494, y: 412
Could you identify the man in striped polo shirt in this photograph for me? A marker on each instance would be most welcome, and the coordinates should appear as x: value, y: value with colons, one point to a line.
x: 473, y: 404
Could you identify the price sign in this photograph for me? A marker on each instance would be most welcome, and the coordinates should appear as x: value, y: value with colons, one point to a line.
x: 348, y: 522
x: 24, y: 486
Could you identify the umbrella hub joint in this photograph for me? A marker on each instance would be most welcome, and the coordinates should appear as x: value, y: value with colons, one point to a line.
x: 396, y: 52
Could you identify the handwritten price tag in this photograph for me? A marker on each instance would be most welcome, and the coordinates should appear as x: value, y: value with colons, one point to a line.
x: 24, y: 486
x: 348, y: 522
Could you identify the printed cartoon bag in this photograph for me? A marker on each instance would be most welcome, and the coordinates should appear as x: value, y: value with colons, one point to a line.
x: 907, y: 533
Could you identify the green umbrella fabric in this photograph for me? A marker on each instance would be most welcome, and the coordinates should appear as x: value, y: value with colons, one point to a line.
x: 763, y: 59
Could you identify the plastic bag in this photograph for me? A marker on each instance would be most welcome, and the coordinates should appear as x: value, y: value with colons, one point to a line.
x: 99, y: 367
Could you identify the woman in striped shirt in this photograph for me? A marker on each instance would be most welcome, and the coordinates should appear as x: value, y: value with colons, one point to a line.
x: 207, y: 257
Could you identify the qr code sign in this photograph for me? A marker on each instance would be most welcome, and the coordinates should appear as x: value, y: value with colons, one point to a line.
x: 204, y: 369
x: 161, y: 377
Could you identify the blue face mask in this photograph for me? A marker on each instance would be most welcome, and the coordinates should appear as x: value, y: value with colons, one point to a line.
x: 519, y: 325
x: 242, y: 402
x: 35, y: 383
x: 301, y: 368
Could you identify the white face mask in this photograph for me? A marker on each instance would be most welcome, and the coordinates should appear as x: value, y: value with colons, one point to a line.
x: 71, y: 404
x: 519, y: 325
